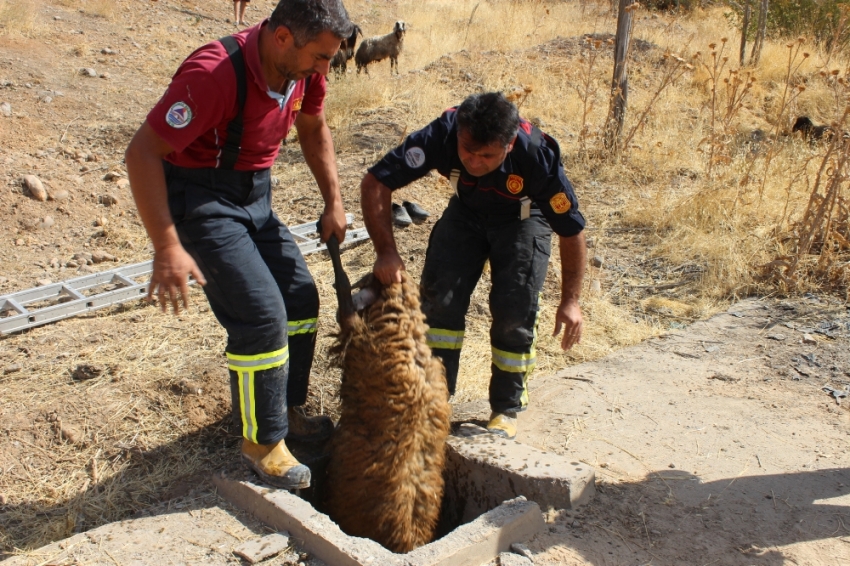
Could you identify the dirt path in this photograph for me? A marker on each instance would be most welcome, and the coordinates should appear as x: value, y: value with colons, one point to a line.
x: 707, y: 449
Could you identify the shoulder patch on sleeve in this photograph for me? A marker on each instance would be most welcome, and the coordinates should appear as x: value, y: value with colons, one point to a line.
x: 414, y: 157
x: 179, y: 115
x: 560, y: 203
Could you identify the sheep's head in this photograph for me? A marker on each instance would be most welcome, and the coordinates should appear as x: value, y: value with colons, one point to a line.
x: 399, y: 29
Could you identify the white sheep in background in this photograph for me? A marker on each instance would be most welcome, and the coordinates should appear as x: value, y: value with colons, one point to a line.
x: 379, y: 48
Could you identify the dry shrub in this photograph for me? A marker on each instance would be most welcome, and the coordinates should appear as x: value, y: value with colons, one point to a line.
x: 385, y: 475
x: 19, y: 17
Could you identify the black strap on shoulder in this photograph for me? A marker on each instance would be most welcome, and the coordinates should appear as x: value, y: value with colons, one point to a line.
x: 535, y: 141
x: 233, y: 143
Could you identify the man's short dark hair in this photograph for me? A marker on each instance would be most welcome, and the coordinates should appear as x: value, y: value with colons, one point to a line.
x: 306, y: 19
x: 488, y: 117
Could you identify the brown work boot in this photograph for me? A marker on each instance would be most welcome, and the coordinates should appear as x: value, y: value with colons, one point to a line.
x: 308, y: 429
x: 275, y: 465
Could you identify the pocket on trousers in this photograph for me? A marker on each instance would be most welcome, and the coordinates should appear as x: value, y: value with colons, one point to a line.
x: 540, y: 260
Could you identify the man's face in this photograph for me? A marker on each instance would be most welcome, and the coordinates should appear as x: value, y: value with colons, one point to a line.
x: 296, y: 63
x: 481, y: 159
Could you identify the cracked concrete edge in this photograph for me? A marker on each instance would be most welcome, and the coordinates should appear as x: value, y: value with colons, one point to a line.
x: 483, y: 539
x: 319, y: 535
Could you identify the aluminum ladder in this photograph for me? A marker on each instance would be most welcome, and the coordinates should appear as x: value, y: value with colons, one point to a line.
x: 57, y: 301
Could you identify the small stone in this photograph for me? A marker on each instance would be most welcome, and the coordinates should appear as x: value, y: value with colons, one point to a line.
x: 596, y: 286
x: 46, y: 222
x: 54, y: 262
x: 809, y: 339
x: 84, y: 372
x: 99, y: 256
x: 6, y: 109
x: 88, y: 72
x: 258, y: 550
x: 779, y: 337
x: 122, y: 183
x: 112, y: 176
x: 575, y: 524
x: 57, y: 18
x: 60, y: 194
x: 35, y: 187
x: 275, y: 181
x: 104, y: 75
x: 100, y: 221
x: 20, y: 242
x: 12, y: 368
x: 671, y: 465
x: 597, y: 261
x: 590, y: 243
x: 72, y: 264
x: 107, y: 51
x: 43, y: 282
x: 71, y: 433
x: 47, y: 99
x: 108, y: 200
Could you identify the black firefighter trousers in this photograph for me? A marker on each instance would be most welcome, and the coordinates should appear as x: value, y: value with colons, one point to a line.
x: 518, y: 250
x: 258, y: 287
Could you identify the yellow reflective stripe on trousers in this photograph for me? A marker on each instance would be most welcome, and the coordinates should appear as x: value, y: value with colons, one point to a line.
x: 446, y: 339
x: 245, y: 367
x: 301, y: 326
x: 258, y: 362
x: 514, y: 363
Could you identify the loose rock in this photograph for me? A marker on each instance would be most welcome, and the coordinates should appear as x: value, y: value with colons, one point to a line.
x: 43, y: 282
x: 108, y: 200
x: 123, y: 183
x: 60, y: 194
x: 12, y: 368
x: 71, y: 433
x: 597, y: 261
x: 778, y: 337
x: 99, y: 256
x: 258, y: 550
x: 46, y: 222
x: 6, y: 109
x: 88, y: 72
x: 84, y: 372
x: 809, y: 339
x: 35, y: 187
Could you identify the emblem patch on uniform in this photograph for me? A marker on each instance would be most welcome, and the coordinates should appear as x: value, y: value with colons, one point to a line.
x: 514, y: 184
x: 560, y: 203
x: 414, y: 157
x: 179, y: 115
x: 296, y: 104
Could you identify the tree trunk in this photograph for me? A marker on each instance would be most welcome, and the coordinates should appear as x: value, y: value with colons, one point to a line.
x: 744, y: 29
x: 620, y: 81
x: 762, y: 29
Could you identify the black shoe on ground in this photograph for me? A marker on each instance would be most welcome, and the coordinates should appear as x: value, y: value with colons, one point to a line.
x: 416, y: 212
x: 400, y: 216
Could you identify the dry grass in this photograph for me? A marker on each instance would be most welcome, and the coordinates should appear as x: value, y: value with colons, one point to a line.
x: 20, y: 18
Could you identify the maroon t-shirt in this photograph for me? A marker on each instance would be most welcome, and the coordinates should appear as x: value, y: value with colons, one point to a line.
x: 193, y: 114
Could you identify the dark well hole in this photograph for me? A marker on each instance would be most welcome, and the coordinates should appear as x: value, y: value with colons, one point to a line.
x: 457, y: 508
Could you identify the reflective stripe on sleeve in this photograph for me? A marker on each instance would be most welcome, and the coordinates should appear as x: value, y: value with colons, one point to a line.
x: 301, y: 326
x: 446, y: 339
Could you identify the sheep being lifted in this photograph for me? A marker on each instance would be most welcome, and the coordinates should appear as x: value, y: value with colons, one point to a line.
x: 379, y: 48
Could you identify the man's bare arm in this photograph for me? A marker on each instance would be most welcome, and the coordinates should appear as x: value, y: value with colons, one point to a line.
x: 171, y: 264
x: 318, y: 148
x: 573, y: 252
x: 376, y: 201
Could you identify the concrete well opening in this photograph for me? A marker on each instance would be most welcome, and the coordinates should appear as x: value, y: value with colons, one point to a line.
x: 494, y: 492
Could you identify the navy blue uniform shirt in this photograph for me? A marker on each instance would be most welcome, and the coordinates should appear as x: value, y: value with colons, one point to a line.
x: 540, y: 177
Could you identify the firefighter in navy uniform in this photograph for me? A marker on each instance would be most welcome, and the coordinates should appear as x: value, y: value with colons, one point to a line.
x: 511, y: 193
x: 199, y: 169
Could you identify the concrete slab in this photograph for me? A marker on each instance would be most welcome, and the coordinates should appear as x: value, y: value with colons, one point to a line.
x: 258, y: 550
x: 472, y: 544
x: 485, y: 469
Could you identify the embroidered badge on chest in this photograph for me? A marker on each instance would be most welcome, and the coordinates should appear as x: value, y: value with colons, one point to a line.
x: 514, y: 184
x: 179, y: 115
x: 560, y: 203
x: 296, y: 104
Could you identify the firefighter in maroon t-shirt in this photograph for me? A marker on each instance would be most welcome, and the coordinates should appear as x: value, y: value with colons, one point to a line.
x: 199, y: 170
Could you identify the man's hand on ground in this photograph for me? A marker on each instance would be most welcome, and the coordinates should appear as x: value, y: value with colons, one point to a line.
x: 388, y: 267
x: 569, y: 317
x: 170, y: 280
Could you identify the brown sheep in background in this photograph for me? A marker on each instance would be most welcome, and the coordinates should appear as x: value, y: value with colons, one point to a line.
x: 385, y: 475
x: 339, y: 62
